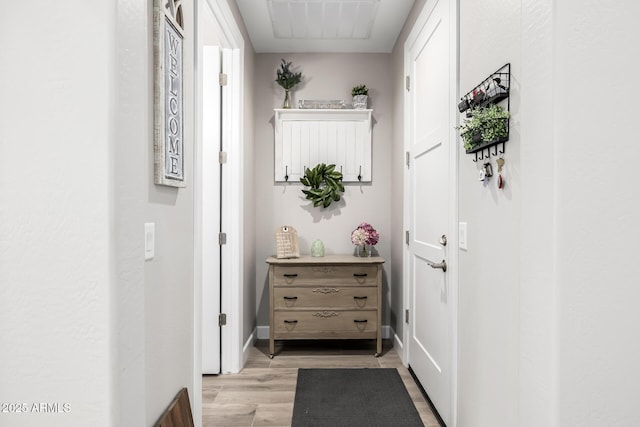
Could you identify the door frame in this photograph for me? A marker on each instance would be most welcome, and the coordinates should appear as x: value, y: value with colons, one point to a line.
x: 452, y: 270
x: 232, y: 204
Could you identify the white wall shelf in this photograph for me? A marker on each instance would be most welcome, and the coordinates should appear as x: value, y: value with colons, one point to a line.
x: 305, y: 138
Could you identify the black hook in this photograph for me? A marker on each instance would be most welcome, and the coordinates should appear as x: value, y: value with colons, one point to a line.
x: 501, y: 151
x: 360, y: 174
x: 495, y: 150
x: 286, y: 173
x: 476, y: 154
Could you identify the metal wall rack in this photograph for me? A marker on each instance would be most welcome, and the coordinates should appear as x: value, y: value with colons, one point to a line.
x: 491, y: 90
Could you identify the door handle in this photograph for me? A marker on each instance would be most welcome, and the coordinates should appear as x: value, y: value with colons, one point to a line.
x: 442, y: 265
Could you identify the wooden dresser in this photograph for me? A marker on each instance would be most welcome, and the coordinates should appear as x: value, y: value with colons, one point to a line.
x: 331, y: 297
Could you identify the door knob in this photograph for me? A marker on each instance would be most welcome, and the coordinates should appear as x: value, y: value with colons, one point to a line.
x: 442, y: 265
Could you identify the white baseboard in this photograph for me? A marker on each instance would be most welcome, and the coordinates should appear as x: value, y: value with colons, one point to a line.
x: 262, y: 332
x: 397, y: 343
x: 251, y: 341
x: 387, y: 332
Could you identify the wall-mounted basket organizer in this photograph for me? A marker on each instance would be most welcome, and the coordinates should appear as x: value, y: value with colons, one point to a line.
x: 306, y: 137
x: 491, y: 90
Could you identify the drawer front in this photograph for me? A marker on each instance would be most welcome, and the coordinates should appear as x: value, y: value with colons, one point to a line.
x: 347, y: 275
x: 325, y: 324
x: 355, y: 298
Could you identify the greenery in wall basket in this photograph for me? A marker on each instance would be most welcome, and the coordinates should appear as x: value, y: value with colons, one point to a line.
x: 325, y: 185
x: 486, y: 124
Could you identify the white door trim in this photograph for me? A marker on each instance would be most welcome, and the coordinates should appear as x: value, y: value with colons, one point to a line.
x: 452, y: 234
x: 232, y: 214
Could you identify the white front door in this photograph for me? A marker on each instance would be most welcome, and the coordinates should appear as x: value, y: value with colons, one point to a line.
x: 430, y: 204
x: 209, y: 195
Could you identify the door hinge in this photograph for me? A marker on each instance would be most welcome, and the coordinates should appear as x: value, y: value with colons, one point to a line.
x: 222, y: 239
x: 406, y: 237
x: 408, y: 83
x: 408, y: 160
x: 222, y: 157
x: 223, y: 79
x: 222, y: 319
x: 406, y: 316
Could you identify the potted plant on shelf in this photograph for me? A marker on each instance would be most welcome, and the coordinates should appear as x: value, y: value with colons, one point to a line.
x: 360, y: 96
x: 287, y: 79
x: 484, y: 126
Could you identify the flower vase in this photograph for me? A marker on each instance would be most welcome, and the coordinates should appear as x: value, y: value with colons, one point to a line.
x: 287, y: 101
x: 364, y: 251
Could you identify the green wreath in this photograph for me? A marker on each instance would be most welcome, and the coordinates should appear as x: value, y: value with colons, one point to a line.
x: 326, y: 185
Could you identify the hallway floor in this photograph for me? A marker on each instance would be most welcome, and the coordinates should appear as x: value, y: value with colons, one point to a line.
x: 262, y: 393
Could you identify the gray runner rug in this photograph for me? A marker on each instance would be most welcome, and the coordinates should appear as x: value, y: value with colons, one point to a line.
x: 353, y: 397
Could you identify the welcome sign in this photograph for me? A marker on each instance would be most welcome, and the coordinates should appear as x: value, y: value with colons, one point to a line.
x: 168, y: 35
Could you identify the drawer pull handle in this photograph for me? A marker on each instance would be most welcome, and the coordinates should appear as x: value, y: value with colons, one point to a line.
x: 360, y: 321
x: 356, y: 297
x: 294, y: 321
x: 290, y: 275
x: 359, y: 274
x: 291, y: 298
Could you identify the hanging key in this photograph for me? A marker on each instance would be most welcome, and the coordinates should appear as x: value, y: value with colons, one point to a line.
x: 500, y: 163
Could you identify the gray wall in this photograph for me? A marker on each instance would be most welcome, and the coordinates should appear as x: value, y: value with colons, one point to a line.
x: 490, y: 36
x: 95, y: 325
x: 325, y: 76
x: 57, y: 226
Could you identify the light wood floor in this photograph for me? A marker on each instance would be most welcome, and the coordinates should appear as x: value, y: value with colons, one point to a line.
x: 262, y: 393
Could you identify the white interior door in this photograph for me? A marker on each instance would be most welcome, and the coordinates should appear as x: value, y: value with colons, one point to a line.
x: 429, y: 204
x: 210, y: 197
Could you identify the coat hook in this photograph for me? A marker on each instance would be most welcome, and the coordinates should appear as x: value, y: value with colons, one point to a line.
x: 360, y: 174
x: 495, y: 150
x: 502, y: 151
x: 476, y: 156
x: 286, y: 173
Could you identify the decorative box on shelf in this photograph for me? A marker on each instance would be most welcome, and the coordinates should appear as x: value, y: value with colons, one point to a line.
x: 306, y: 137
x: 314, y: 104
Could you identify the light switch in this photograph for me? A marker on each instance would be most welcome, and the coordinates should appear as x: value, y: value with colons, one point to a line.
x: 149, y: 240
x: 462, y: 235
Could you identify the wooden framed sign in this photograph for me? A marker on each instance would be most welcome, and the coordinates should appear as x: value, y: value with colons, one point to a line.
x: 168, y: 37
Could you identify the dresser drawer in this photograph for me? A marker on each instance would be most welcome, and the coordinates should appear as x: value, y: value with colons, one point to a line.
x: 347, y: 275
x: 355, y: 297
x: 325, y: 324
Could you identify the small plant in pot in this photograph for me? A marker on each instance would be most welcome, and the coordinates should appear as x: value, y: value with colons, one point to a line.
x: 360, y: 96
x: 485, y: 125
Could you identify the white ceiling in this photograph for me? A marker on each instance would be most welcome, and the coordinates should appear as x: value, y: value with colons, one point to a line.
x: 324, y: 25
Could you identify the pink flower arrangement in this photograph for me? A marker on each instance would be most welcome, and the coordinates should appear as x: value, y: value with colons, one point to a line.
x: 364, y: 234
